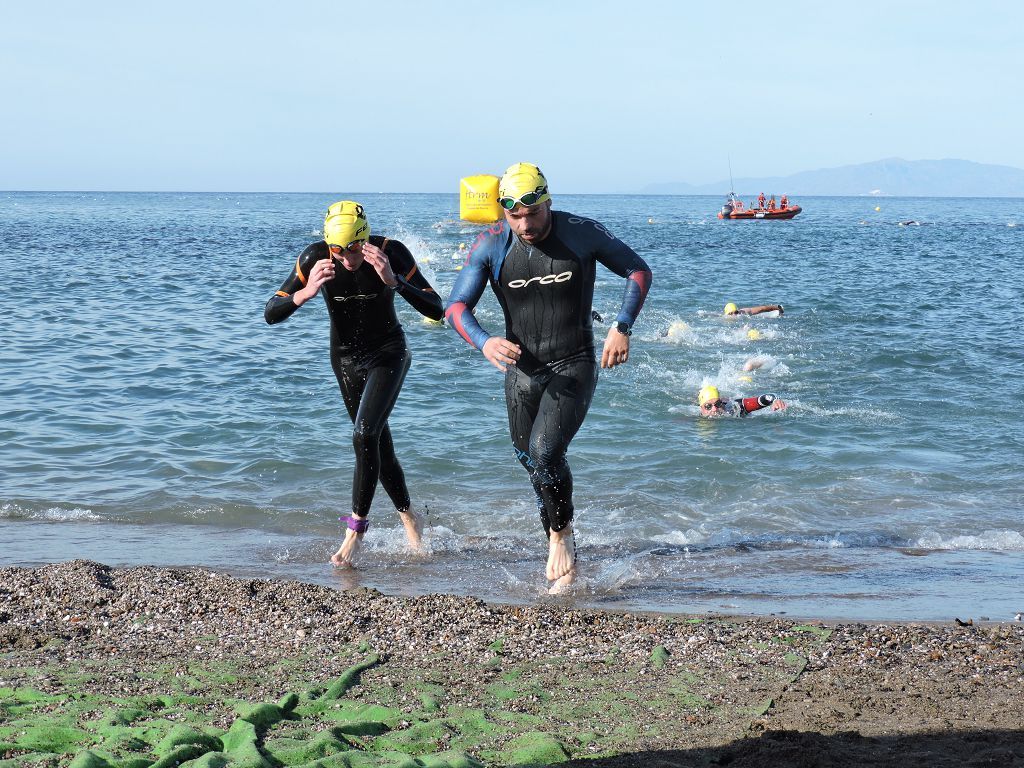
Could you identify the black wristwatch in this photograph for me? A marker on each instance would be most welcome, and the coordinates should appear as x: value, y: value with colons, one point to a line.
x: 623, y: 328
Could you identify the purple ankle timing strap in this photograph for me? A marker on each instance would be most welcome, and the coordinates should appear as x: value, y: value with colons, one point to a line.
x: 354, y: 523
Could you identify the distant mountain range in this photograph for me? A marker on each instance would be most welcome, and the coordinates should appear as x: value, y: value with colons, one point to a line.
x: 893, y: 177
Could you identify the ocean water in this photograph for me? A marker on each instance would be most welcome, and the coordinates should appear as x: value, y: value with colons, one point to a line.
x: 149, y: 415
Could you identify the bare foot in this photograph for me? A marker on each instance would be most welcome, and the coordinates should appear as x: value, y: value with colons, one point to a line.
x: 561, y: 554
x: 413, y: 529
x: 346, y: 553
x: 562, y: 584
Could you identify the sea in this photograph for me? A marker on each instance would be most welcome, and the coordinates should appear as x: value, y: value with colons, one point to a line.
x: 150, y: 416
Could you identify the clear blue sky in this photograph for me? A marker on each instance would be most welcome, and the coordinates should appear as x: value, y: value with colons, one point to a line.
x: 393, y: 96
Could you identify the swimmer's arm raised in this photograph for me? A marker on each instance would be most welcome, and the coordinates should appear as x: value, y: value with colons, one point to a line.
x: 761, y: 308
x: 751, y: 404
x: 311, y: 270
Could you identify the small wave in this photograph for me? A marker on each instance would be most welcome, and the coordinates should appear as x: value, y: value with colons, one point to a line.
x: 682, y: 538
x: 1003, y: 541
x: 50, y: 514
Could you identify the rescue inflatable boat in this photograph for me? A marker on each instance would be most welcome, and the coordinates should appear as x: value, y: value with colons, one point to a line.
x: 735, y: 209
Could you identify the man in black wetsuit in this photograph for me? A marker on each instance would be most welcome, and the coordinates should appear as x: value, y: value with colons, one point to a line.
x: 541, y: 265
x: 368, y: 349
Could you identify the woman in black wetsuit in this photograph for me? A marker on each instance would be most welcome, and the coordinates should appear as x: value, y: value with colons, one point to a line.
x: 368, y: 348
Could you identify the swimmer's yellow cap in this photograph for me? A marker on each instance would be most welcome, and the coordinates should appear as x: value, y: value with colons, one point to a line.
x: 345, y: 224
x: 521, y: 179
x: 708, y: 394
x: 730, y: 309
x: 753, y: 334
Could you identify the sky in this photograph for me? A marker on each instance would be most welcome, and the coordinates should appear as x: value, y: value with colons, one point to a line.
x: 392, y: 96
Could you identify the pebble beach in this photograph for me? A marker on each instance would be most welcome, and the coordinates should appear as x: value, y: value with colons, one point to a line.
x: 145, y: 666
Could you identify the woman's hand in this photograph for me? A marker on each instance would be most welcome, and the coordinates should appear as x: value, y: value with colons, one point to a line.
x: 323, y: 270
x: 379, y: 261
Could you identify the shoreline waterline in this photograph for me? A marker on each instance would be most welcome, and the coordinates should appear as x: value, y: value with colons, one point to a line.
x: 870, y: 584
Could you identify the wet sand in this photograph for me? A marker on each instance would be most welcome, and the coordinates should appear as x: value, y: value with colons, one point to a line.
x: 134, y: 667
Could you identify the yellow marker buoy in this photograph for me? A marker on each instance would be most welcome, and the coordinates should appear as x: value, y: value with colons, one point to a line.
x: 878, y: 207
x: 478, y: 199
x: 753, y: 334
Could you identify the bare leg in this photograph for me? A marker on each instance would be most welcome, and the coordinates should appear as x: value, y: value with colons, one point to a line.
x: 561, y: 559
x: 346, y: 553
x: 413, y: 529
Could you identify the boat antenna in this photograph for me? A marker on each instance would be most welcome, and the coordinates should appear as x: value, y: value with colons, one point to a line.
x: 732, y: 187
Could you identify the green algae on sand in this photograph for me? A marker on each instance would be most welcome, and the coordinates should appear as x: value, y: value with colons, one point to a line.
x: 378, y: 713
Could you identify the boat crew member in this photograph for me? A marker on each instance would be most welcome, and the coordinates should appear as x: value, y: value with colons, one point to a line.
x: 541, y: 265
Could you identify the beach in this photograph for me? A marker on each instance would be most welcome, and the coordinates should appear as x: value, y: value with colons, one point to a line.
x: 186, y: 666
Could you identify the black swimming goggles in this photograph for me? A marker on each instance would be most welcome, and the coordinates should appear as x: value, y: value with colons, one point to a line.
x: 530, y: 198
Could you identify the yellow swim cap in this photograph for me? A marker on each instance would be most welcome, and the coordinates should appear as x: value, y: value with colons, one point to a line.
x: 730, y: 309
x: 522, y: 184
x: 345, y: 224
x: 753, y: 334
x: 708, y: 394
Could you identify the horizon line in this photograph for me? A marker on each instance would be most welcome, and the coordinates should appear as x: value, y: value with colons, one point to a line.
x: 456, y: 194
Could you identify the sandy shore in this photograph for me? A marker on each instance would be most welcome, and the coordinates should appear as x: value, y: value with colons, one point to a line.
x: 136, y: 667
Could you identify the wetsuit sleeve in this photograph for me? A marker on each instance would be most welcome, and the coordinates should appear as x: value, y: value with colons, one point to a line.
x: 751, y: 404
x: 468, y: 288
x: 412, y: 285
x: 624, y: 261
x: 281, y: 305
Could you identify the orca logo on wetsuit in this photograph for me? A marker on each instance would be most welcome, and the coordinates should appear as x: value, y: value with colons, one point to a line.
x: 364, y: 296
x: 561, y: 277
x: 599, y: 227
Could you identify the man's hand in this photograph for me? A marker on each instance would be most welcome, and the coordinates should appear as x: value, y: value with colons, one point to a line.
x: 501, y: 352
x: 616, y: 349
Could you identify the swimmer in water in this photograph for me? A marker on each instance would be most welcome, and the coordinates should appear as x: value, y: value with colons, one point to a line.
x: 731, y: 310
x: 713, y: 406
x: 541, y: 265
x: 369, y: 353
